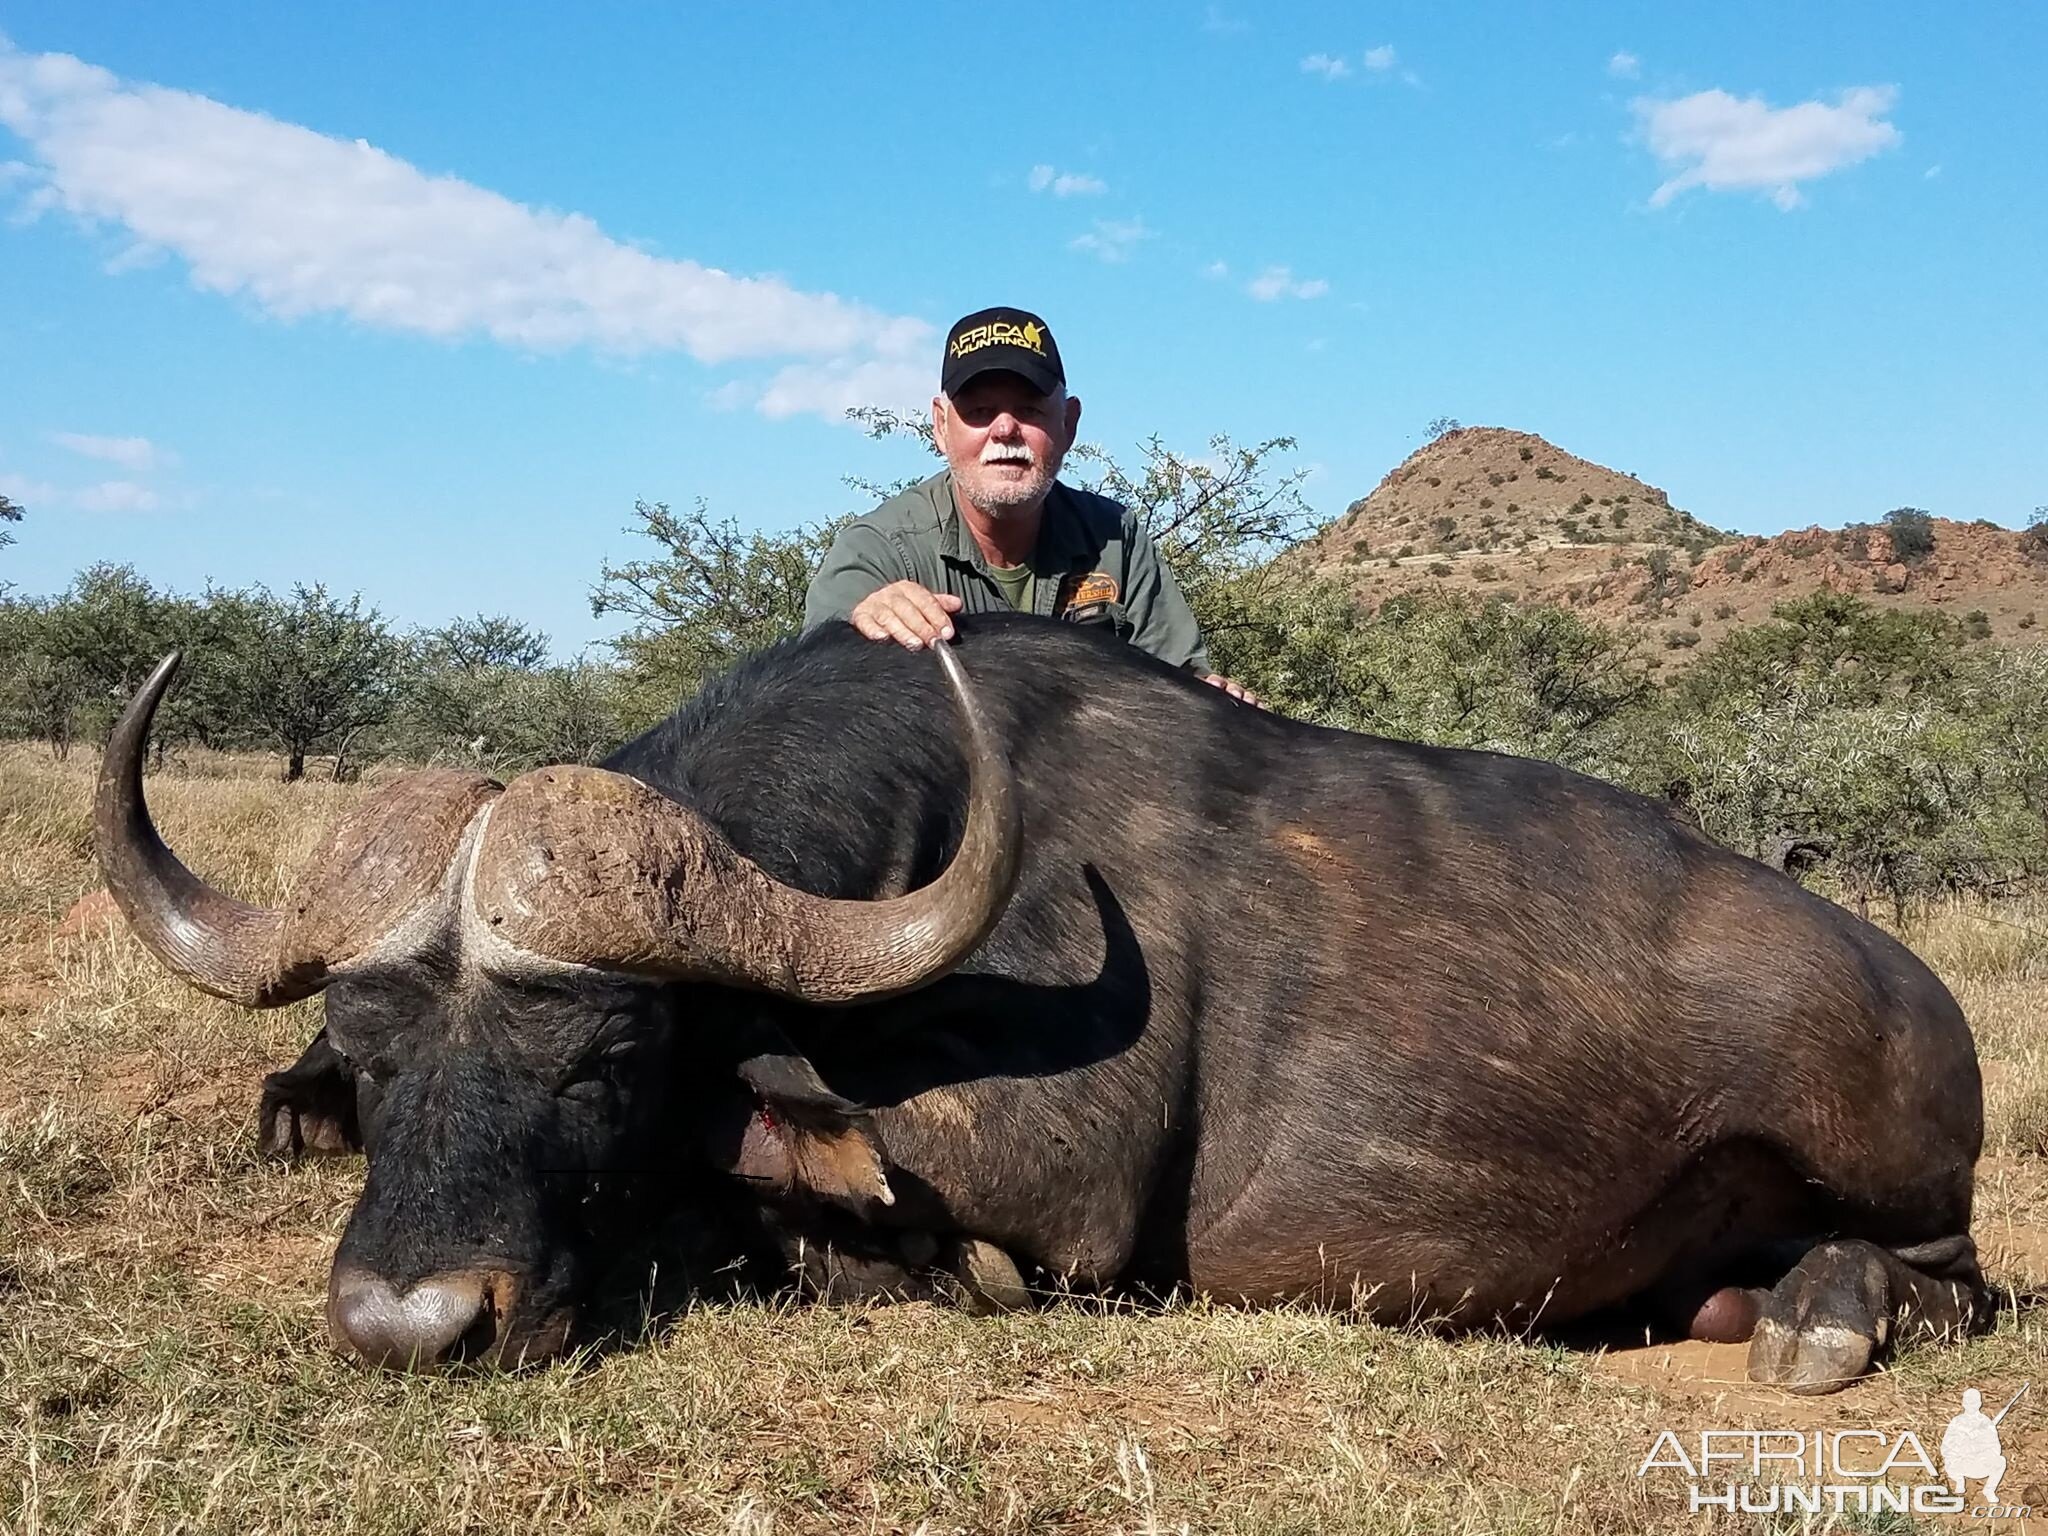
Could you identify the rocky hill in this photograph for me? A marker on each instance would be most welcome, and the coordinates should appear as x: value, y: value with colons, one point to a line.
x: 1492, y: 511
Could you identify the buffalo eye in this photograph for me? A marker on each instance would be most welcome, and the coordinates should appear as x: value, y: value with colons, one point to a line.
x: 595, y: 1078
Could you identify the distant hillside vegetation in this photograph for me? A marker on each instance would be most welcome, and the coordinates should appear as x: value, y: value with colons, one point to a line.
x: 1494, y: 511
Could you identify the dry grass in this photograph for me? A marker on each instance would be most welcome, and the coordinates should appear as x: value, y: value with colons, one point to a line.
x: 163, y: 1366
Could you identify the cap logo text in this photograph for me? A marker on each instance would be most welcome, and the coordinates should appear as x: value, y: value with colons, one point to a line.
x: 999, y: 333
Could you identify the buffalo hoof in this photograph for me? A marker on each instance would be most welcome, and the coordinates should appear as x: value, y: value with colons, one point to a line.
x: 1822, y: 1357
x: 309, y: 1109
x: 988, y: 1279
x: 1825, y: 1321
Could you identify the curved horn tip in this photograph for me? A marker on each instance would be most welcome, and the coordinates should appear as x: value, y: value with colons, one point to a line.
x: 151, y: 693
x: 949, y: 663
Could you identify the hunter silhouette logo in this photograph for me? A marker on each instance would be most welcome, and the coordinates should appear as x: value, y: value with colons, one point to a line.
x: 1970, y: 1447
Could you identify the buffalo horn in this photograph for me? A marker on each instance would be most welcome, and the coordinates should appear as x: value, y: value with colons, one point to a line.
x: 597, y: 869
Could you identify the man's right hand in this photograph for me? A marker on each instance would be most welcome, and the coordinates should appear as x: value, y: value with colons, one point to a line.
x: 912, y: 615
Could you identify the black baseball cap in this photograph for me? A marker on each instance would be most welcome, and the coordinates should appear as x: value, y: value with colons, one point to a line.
x: 1013, y: 340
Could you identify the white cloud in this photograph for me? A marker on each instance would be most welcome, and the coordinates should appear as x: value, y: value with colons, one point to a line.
x: 832, y: 389
x: 1215, y: 20
x: 131, y: 453
x: 1329, y: 67
x: 29, y: 494
x: 115, y: 496
x: 1216, y: 269
x: 1112, y: 239
x: 1933, y: 171
x: 1280, y: 283
x: 302, y: 224
x: 1724, y: 143
x: 1624, y: 66
x: 1381, y: 59
x: 1044, y: 178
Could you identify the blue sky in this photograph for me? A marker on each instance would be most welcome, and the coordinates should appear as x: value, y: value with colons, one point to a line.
x: 417, y: 300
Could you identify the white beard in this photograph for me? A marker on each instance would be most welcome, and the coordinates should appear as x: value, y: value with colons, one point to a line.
x: 996, y: 494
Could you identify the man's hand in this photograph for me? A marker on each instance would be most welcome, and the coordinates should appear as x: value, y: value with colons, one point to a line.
x: 911, y: 615
x: 1235, y: 690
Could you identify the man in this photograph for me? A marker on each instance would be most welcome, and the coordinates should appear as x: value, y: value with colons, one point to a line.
x: 996, y: 531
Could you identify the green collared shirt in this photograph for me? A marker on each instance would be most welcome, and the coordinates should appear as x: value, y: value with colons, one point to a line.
x: 1094, y: 564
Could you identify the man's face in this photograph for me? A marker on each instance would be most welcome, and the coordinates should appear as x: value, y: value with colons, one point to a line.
x: 1004, y: 440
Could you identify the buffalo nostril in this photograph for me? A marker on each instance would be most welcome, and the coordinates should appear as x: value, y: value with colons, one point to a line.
x: 437, y: 1321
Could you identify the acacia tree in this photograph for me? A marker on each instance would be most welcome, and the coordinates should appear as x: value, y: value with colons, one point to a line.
x: 319, y: 671
x: 713, y: 594
x: 1218, y: 520
x: 480, y: 691
x: 42, y: 693
x: 488, y: 642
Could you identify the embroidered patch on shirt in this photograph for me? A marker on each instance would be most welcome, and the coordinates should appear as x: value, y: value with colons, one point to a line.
x: 1086, y: 590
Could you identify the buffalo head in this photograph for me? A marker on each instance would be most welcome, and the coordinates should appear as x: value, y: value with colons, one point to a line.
x: 512, y: 975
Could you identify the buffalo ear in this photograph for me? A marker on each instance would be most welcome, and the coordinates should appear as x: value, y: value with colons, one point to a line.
x: 825, y: 1138
x: 839, y: 1164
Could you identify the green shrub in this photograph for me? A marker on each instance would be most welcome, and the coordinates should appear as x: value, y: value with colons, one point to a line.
x: 1912, y: 533
x: 2034, y: 541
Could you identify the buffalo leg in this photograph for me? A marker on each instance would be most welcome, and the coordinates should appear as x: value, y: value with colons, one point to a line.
x: 986, y: 1280
x: 309, y: 1109
x: 1846, y: 1302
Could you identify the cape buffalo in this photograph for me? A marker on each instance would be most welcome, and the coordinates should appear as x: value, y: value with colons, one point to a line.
x: 1087, y: 965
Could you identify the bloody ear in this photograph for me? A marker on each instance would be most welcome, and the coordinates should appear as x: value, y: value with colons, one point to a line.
x: 821, y: 1137
x: 841, y: 1164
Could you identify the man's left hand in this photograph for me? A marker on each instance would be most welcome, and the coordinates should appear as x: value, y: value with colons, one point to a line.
x: 1235, y: 690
